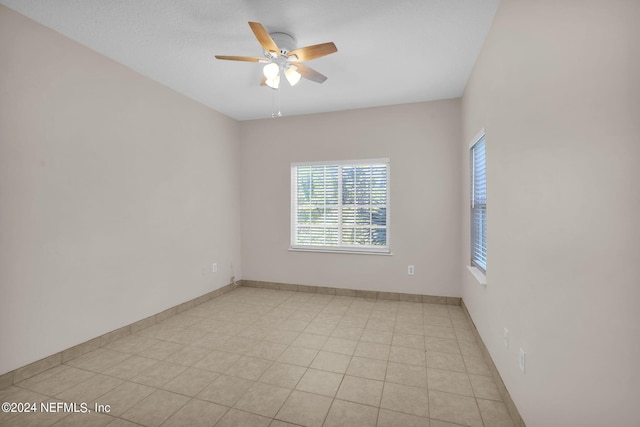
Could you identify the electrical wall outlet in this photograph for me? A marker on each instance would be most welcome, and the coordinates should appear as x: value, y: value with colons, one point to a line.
x: 505, y: 338
x: 522, y: 361
x: 410, y: 270
x: 214, y: 267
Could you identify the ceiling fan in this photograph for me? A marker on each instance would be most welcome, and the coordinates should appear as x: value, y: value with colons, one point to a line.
x: 280, y: 55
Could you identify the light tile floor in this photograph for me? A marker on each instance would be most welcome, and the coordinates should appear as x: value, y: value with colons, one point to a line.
x: 258, y: 357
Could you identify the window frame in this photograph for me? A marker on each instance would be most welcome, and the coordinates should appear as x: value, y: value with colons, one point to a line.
x: 475, y: 262
x: 354, y: 249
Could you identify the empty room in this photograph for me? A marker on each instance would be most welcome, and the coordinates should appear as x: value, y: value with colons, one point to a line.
x: 286, y: 213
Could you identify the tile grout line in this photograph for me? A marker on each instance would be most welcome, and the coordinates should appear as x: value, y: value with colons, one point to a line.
x: 475, y: 399
x: 426, y: 369
x: 337, y: 314
x: 514, y: 413
x: 9, y: 378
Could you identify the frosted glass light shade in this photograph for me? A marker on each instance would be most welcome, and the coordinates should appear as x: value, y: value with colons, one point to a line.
x: 273, y: 83
x: 292, y: 76
x: 271, y: 70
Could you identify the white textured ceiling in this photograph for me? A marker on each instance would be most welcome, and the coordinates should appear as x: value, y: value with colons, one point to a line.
x: 389, y: 51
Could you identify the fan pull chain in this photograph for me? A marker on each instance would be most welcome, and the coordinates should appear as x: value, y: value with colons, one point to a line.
x: 275, y: 99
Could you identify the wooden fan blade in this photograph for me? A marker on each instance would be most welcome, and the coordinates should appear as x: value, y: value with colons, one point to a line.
x: 241, y: 58
x: 309, y: 73
x: 264, y: 38
x: 263, y: 82
x: 312, y: 52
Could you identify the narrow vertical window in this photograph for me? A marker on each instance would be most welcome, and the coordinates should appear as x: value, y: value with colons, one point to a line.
x: 479, y: 205
x: 340, y: 206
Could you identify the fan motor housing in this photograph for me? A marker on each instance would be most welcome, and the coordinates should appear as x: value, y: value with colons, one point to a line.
x: 285, y: 42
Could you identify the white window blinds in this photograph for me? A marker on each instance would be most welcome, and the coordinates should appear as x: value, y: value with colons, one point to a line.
x: 479, y: 205
x: 340, y: 206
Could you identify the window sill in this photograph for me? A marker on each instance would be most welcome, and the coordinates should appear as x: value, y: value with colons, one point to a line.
x: 339, y: 251
x: 480, y: 277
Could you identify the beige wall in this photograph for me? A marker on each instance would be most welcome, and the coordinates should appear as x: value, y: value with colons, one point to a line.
x: 556, y: 86
x: 422, y: 142
x: 116, y: 194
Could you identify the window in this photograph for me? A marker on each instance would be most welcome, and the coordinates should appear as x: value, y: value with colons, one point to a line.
x: 340, y: 206
x: 479, y: 205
